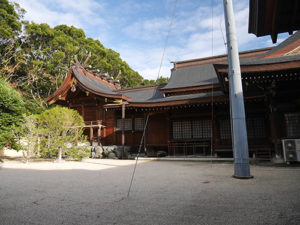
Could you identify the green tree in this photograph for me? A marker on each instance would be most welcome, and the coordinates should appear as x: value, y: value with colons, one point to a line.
x: 147, y: 82
x: 11, y: 111
x: 36, y: 60
x: 48, y: 54
x: 60, y: 127
x: 11, y: 55
x: 10, y: 25
x: 160, y: 80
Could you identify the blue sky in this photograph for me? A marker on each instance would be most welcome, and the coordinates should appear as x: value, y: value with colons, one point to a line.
x: 137, y: 29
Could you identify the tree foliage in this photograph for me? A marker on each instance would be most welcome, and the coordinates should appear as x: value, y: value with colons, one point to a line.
x: 159, y: 80
x: 36, y: 60
x: 53, y: 132
x: 11, y: 111
x: 61, y: 126
x: 10, y: 24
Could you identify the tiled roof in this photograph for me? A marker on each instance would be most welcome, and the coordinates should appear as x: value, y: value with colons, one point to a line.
x: 288, y: 42
x: 143, y: 94
x: 192, y: 76
x: 92, y: 83
x: 185, y: 97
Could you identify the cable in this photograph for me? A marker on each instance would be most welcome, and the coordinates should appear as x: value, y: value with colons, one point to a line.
x: 221, y: 18
x: 167, y: 38
x: 137, y: 157
x: 212, y: 85
x: 158, y: 75
x: 212, y: 27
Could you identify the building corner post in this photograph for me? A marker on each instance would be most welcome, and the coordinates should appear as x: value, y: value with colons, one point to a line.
x: 237, y: 108
x: 123, y: 129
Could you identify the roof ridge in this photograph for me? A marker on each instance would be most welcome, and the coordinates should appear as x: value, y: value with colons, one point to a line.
x: 222, y: 55
x: 92, y: 76
x: 283, y: 45
x: 153, y: 86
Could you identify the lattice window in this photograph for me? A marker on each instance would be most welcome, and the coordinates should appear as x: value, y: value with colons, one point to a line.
x: 192, y: 129
x: 138, y: 123
x: 256, y: 128
x: 225, y: 130
x: 197, y: 129
x: 119, y: 124
x: 177, y: 131
x: 292, y: 121
x: 206, y: 128
x: 186, y: 129
x: 127, y: 124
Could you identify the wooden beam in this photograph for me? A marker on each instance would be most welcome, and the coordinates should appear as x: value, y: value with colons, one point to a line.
x: 274, y: 33
x: 294, y: 17
x: 186, y: 89
x: 263, y: 67
x: 87, y: 59
x: 76, y: 59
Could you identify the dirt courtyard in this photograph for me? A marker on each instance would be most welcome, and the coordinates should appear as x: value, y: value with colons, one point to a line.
x: 177, y: 192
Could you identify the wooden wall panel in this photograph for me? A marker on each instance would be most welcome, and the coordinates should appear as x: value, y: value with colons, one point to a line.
x: 157, y: 132
x: 110, y: 123
x: 90, y: 113
x: 132, y: 138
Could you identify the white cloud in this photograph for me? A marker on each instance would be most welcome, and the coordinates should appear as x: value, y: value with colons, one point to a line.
x: 149, y: 29
x: 192, y: 32
x: 137, y: 31
x: 68, y: 12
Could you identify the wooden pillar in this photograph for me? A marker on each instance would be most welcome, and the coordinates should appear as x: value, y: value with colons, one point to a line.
x: 168, y: 131
x: 91, y: 134
x: 145, y: 136
x: 104, y: 129
x: 123, y: 129
x: 99, y: 134
x: 273, y: 132
x: 216, y: 132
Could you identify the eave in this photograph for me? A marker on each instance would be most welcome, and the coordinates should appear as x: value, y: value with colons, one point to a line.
x: 261, y: 67
x: 271, y: 17
x: 116, y: 96
x: 186, y: 89
x: 219, y: 58
x: 181, y: 103
x: 62, y: 90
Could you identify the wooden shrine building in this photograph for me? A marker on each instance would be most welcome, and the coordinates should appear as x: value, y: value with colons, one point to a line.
x: 190, y: 114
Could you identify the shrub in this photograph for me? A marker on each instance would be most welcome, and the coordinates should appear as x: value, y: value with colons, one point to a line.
x: 11, y: 110
x: 60, y: 127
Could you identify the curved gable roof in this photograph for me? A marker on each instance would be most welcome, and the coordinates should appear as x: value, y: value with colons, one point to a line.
x: 92, y: 83
x: 192, y: 77
x: 88, y: 82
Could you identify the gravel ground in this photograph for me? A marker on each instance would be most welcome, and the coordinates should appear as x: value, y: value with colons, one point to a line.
x: 94, y: 192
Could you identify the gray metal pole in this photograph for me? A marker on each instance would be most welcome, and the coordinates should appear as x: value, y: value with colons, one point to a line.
x: 237, y: 109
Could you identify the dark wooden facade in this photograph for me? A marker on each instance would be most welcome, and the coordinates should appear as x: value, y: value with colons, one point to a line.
x: 189, y: 119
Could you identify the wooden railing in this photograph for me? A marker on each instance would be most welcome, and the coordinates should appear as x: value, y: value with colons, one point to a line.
x: 178, y: 147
